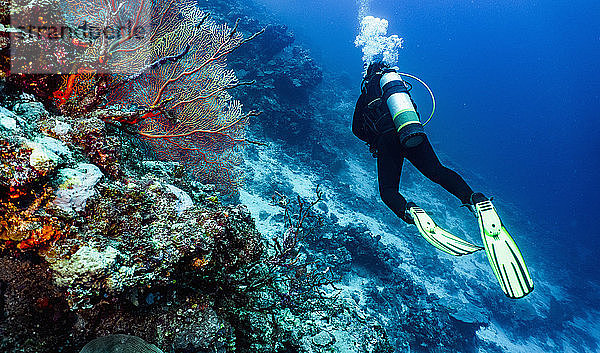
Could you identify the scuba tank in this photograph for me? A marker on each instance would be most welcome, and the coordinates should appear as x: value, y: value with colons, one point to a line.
x: 402, y: 108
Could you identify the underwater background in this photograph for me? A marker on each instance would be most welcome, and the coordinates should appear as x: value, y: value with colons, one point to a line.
x: 517, y: 85
x: 102, y: 235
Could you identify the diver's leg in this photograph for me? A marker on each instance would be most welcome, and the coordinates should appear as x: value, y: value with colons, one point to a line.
x: 426, y: 161
x: 389, y: 168
x: 389, y: 165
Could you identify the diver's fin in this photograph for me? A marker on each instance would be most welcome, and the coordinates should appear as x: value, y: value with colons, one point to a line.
x: 503, y: 253
x: 438, y: 237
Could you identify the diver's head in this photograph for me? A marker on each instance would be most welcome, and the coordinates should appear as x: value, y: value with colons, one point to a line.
x: 376, y: 66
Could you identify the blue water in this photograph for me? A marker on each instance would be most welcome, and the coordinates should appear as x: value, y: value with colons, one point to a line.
x: 518, y: 91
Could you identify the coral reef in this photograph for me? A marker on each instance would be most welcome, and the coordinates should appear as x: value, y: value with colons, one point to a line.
x: 95, y: 246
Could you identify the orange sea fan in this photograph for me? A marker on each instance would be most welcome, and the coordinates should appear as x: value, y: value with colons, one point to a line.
x: 170, y: 85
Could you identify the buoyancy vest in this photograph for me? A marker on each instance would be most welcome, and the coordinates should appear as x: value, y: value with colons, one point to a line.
x: 376, y: 117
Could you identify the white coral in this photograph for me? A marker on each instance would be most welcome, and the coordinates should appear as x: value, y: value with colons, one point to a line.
x: 77, y: 186
x: 184, y: 201
x: 87, y: 264
x: 8, y: 120
x: 42, y: 158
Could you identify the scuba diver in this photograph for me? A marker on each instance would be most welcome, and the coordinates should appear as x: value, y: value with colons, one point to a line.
x: 386, y: 119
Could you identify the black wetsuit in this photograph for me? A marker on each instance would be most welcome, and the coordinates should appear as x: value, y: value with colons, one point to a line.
x: 383, y: 140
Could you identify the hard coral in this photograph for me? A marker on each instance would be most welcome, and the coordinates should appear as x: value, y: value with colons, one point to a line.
x: 22, y: 222
x: 14, y: 164
x: 150, y: 228
x: 89, y: 135
x: 40, y: 236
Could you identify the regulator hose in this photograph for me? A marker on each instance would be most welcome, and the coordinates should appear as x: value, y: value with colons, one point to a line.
x: 428, y: 89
